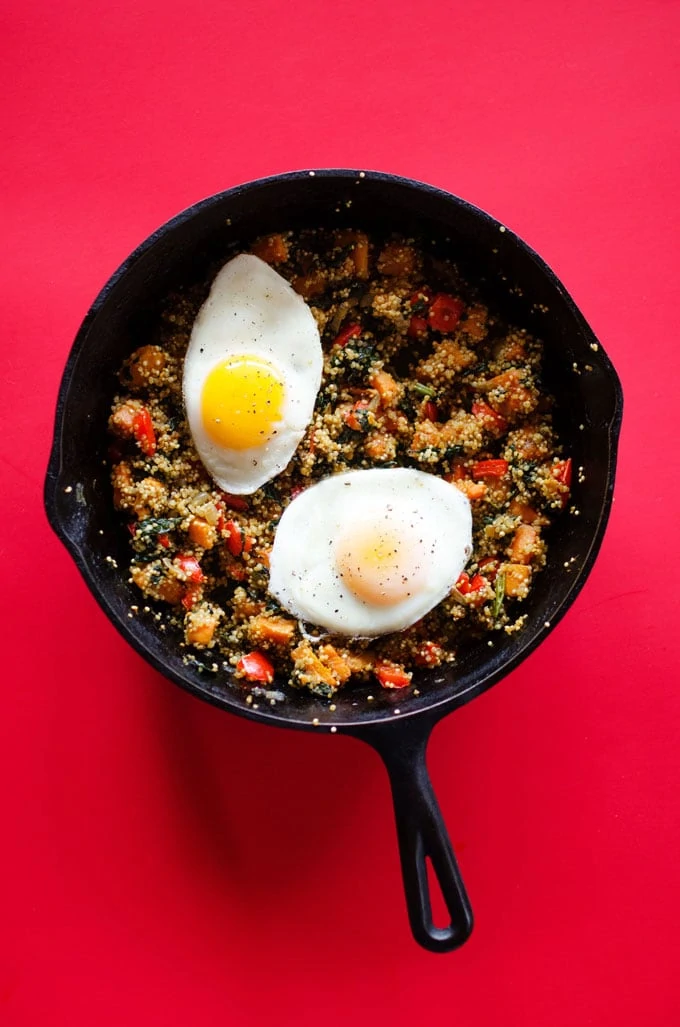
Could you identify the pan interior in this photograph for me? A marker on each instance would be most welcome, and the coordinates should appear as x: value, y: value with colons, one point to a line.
x: 511, y: 279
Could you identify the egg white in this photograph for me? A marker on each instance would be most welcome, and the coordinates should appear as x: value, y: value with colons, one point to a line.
x: 251, y: 310
x: 303, y: 574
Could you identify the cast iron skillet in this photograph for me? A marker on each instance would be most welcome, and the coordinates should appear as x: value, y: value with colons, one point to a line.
x: 518, y: 284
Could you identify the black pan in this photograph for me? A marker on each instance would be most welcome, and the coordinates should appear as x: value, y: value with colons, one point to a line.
x: 516, y: 282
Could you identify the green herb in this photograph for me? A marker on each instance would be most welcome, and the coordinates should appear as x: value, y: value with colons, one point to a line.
x: 363, y: 418
x: 500, y: 595
x: 355, y: 361
x: 157, y: 576
x: 423, y: 390
x: 407, y: 406
x: 157, y: 525
x: 325, y: 691
x: 270, y: 490
x: 146, y: 539
x: 325, y: 398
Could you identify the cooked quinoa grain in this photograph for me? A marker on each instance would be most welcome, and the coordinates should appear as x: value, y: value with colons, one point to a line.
x: 417, y: 373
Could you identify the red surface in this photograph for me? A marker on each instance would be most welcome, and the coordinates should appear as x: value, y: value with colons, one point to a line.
x: 166, y: 864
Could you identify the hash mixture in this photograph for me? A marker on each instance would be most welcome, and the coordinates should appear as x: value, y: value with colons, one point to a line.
x: 417, y: 373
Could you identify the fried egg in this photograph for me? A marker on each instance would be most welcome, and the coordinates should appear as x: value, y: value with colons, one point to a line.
x: 368, y: 552
x: 252, y: 372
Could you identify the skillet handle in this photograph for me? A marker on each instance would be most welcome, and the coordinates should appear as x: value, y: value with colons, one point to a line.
x: 422, y: 833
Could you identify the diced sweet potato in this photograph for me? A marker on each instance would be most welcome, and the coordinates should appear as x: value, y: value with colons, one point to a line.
x: 151, y: 495
x: 387, y: 388
x: 141, y: 497
x: 200, y: 624
x: 266, y: 629
x: 525, y: 544
x: 474, y: 325
x: 427, y: 435
x: 146, y: 365
x: 202, y: 533
x: 123, y: 486
x: 528, y: 444
x: 243, y: 607
x: 474, y: 490
x: 310, y: 285
x: 336, y: 663
x: 359, y: 663
x: 271, y: 248
x: 310, y: 669
x: 262, y: 554
x: 395, y: 422
x: 380, y: 445
x: 555, y: 491
x: 122, y: 420
x: 524, y: 511
x: 510, y: 350
x: 462, y: 430
x: 517, y: 579
x: 157, y: 581
x: 397, y: 260
x: 347, y: 236
x: 511, y: 394
x: 448, y: 358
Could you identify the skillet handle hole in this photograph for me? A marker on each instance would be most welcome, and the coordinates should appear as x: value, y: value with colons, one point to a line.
x: 438, y: 907
x: 441, y: 918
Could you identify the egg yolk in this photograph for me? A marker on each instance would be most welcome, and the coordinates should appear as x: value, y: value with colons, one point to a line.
x: 241, y: 402
x: 380, y: 565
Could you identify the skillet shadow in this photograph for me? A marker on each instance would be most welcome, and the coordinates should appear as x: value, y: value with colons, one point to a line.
x: 247, y: 799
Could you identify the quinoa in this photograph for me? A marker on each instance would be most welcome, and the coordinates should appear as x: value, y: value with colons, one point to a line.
x: 418, y: 372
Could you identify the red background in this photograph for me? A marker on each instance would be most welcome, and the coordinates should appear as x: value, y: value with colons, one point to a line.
x: 166, y: 864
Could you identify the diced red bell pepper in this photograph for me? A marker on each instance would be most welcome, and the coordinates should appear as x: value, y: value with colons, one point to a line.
x: 235, y: 540
x: 490, y: 469
x: 489, y: 567
x: 463, y: 583
x: 468, y: 586
x: 429, y: 655
x: 235, y: 569
x: 444, y: 312
x: 391, y: 675
x: 248, y: 543
x: 417, y: 328
x: 562, y: 471
x: 143, y: 431
x: 430, y: 410
x: 132, y: 528
x: 235, y: 502
x: 352, y: 331
x: 191, y: 567
x: 164, y: 541
x: 256, y: 667
x: 353, y: 418
x: 190, y: 596
x: 489, y: 416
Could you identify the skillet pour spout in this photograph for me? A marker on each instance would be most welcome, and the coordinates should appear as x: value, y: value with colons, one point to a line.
x: 578, y: 372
